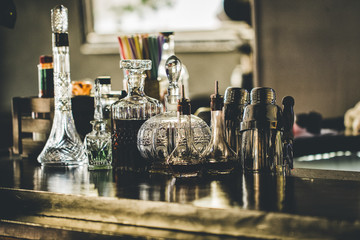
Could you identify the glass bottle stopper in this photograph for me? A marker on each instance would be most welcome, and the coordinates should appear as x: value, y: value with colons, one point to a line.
x: 173, y: 69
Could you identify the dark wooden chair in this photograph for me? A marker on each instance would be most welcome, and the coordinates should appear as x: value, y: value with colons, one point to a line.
x: 32, y: 119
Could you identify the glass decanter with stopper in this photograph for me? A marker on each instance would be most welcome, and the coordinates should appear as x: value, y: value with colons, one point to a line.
x: 64, y: 146
x: 184, y: 161
x: 168, y: 50
x: 157, y: 136
x: 219, y: 157
x: 127, y: 116
x: 98, y: 141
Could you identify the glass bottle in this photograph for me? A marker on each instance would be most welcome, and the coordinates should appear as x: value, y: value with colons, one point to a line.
x: 184, y: 161
x: 127, y: 116
x: 46, y: 77
x: 157, y: 136
x: 219, y: 157
x: 98, y: 141
x: 168, y: 49
x: 108, y: 97
x: 64, y: 146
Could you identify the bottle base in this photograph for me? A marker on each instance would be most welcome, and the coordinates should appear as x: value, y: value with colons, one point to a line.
x: 100, y: 167
x: 62, y: 164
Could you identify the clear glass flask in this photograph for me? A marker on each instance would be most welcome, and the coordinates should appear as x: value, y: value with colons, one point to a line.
x: 184, y: 160
x: 64, y: 146
x: 98, y: 141
x: 219, y: 157
x: 127, y: 116
x: 157, y: 136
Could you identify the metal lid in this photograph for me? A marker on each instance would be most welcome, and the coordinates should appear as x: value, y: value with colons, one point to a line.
x: 263, y: 95
x: 104, y: 79
x: 236, y: 95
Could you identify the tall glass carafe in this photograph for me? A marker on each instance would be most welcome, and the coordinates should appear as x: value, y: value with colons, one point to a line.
x: 168, y: 50
x: 64, y: 146
x: 127, y: 116
x: 219, y: 157
x: 157, y: 136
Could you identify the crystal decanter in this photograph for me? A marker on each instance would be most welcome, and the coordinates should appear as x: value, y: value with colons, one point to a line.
x: 98, y: 141
x: 184, y: 160
x: 157, y: 136
x: 64, y: 146
x: 219, y: 157
x: 127, y: 116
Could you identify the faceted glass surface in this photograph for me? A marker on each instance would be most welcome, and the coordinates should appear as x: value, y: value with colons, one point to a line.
x: 98, y: 147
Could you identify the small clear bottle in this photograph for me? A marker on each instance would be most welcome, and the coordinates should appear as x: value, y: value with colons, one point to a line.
x: 219, y: 157
x: 127, y: 116
x: 108, y: 97
x: 157, y: 136
x: 98, y: 141
x: 184, y: 161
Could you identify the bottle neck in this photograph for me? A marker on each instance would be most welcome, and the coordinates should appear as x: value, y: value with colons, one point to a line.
x: 168, y: 47
x: 136, y: 82
x: 217, y: 125
x: 62, y: 83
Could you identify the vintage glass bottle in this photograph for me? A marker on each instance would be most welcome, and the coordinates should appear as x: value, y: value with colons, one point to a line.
x: 98, y: 141
x: 157, y: 136
x: 64, y: 146
x: 219, y: 157
x: 127, y: 116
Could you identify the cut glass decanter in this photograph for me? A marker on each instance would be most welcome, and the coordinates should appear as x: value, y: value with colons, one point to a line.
x: 64, y: 146
x: 157, y: 136
x: 127, y: 116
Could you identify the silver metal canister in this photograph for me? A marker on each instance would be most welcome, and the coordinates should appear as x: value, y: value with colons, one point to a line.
x: 261, y: 129
x: 235, y: 101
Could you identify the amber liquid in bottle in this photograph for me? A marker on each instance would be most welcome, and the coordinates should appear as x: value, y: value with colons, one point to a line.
x: 126, y: 156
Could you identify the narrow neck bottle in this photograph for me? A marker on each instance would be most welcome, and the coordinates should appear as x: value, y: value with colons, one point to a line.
x: 168, y: 46
x: 136, y: 82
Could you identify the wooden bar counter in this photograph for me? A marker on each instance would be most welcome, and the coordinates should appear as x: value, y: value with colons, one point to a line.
x: 73, y: 203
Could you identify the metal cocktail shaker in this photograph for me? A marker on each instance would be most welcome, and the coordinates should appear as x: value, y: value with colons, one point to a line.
x: 262, y: 130
x: 235, y: 101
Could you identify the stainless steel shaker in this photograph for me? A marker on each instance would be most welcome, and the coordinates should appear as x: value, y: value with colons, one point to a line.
x: 235, y: 101
x: 262, y: 130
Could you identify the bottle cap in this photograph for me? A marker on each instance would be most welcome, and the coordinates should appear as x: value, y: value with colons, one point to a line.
x: 216, y: 100
x: 236, y: 95
x: 264, y: 95
x: 166, y: 34
x: 104, y: 79
x: 46, y: 59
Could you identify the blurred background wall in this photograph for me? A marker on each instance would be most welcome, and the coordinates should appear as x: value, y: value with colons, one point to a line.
x: 310, y: 50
